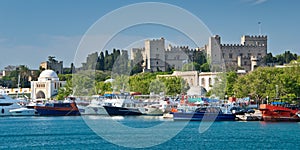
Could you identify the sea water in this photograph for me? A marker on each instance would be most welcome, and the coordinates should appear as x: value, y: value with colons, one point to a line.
x: 73, y: 133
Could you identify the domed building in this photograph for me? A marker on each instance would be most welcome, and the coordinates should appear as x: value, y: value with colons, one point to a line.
x: 47, y: 85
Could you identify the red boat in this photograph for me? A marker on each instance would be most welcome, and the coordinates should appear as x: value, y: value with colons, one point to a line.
x: 279, y: 113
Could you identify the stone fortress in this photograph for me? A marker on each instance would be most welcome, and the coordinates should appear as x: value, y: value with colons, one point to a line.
x: 244, y: 56
x: 158, y: 58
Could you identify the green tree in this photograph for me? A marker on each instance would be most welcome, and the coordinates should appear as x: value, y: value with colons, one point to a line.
x: 157, y: 86
x: 269, y: 82
x: 65, y: 91
x: 205, y: 67
x: 231, y: 78
x: 102, y: 87
x: 218, y: 89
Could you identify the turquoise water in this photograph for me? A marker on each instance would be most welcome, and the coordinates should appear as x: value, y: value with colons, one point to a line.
x: 73, y: 133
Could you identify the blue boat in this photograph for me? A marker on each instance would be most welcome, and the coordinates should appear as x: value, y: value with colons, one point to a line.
x: 58, y: 109
x: 204, y: 114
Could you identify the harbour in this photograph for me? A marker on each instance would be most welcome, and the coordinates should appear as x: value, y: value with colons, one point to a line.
x: 150, y: 75
x: 71, y: 132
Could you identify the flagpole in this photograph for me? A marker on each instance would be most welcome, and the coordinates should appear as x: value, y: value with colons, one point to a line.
x: 259, y: 28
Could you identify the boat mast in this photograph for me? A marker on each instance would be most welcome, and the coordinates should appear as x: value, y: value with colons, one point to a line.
x: 18, y: 86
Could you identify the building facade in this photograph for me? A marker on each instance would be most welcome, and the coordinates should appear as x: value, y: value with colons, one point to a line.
x: 47, y: 85
x: 246, y: 55
x: 155, y: 55
x: 199, y: 83
x: 159, y: 58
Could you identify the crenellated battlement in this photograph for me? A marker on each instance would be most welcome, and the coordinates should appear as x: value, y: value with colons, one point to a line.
x: 240, y: 45
x: 156, y: 40
x: 256, y: 36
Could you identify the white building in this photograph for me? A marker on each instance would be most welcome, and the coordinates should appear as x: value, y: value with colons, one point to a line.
x: 207, y: 79
x: 47, y: 85
x: 197, y: 81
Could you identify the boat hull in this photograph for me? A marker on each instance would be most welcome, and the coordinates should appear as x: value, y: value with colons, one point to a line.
x: 100, y: 110
x: 58, y: 109
x: 5, y: 110
x: 203, y: 116
x: 275, y: 113
x: 280, y: 119
x: 54, y: 112
x: 122, y: 111
x: 23, y: 112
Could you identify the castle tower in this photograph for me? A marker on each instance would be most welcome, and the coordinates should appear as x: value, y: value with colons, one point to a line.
x: 254, y: 40
x: 214, y: 53
x: 155, y: 53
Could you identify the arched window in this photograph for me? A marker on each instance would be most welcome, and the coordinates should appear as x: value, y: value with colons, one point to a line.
x: 203, y: 82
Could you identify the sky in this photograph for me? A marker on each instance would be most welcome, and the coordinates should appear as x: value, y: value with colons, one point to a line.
x: 32, y: 30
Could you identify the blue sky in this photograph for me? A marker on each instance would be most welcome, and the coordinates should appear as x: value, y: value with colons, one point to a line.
x: 32, y: 30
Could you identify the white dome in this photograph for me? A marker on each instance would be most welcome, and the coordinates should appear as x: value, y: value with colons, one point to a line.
x: 48, y: 75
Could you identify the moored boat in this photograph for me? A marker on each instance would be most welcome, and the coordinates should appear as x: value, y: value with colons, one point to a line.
x: 7, y: 104
x: 279, y: 112
x: 122, y: 105
x: 204, y: 114
x: 24, y: 111
x: 122, y: 111
x: 58, y: 109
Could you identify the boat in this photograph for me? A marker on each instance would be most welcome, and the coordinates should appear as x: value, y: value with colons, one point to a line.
x: 94, y: 108
x: 250, y: 115
x: 152, y: 110
x: 122, y: 111
x: 123, y: 105
x: 24, y: 111
x: 277, y: 111
x: 28, y: 110
x: 7, y: 104
x: 58, y: 109
x: 205, y: 114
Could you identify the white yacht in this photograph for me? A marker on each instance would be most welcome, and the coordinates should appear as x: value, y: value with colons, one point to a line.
x: 24, y: 111
x: 7, y: 104
x: 28, y: 110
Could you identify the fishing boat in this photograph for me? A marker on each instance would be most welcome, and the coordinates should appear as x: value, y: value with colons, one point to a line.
x: 204, y: 114
x: 58, y: 109
x: 277, y: 111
